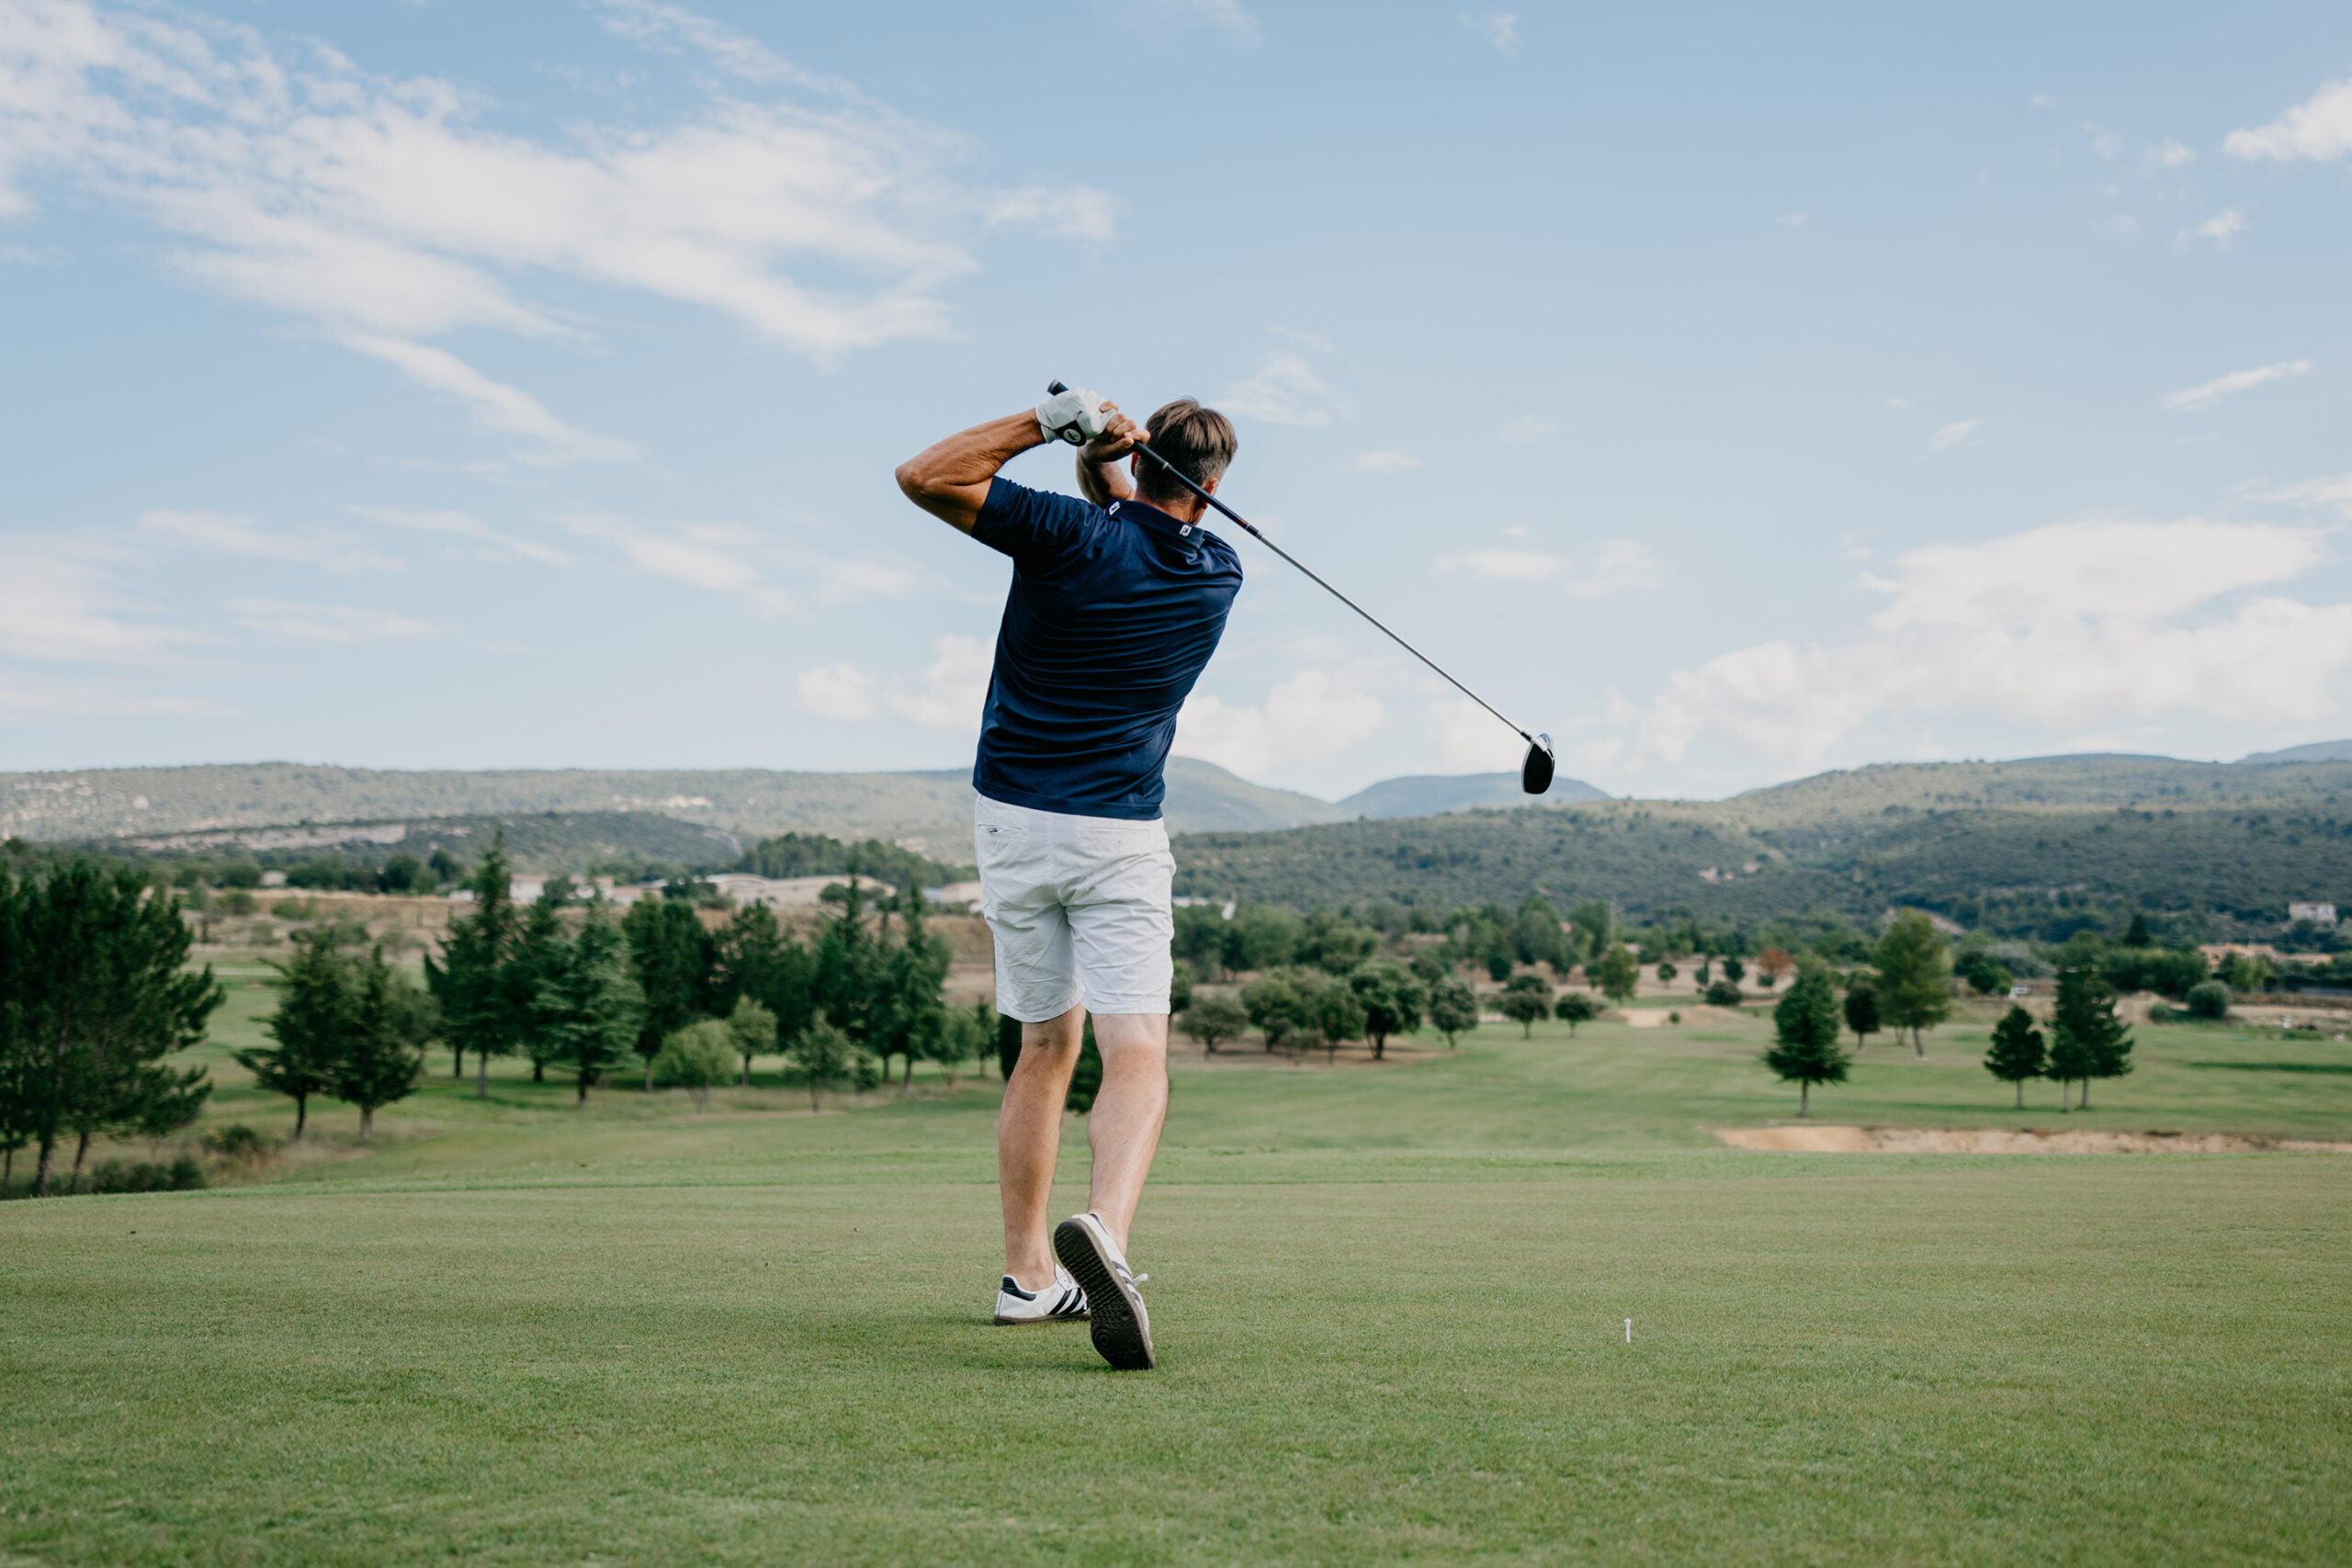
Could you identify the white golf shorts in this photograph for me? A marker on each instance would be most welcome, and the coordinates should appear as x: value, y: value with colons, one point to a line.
x: 1078, y: 907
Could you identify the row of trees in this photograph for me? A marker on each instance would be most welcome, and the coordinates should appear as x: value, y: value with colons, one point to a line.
x: 2085, y: 1041
x: 95, y: 994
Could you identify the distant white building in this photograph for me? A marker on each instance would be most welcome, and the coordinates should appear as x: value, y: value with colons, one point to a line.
x: 2319, y: 914
x: 955, y: 895
x: 2019, y: 990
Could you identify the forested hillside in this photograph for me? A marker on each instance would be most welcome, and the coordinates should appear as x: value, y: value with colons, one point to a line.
x: 2020, y: 871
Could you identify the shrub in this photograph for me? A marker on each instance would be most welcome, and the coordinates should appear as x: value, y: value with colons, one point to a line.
x: 2209, y: 999
x: 237, y: 1141
x: 1725, y: 994
x: 237, y: 901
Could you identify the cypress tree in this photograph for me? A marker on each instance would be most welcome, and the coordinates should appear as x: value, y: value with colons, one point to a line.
x: 591, y: 1007
x: 475, y: 981
x: 2016, y: 1053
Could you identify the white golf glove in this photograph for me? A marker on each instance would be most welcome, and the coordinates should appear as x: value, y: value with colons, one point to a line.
x: 1072, y: 414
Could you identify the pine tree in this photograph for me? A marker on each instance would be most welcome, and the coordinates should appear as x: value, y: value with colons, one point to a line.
x: 542, y: 950
x: 1805, y: 1024
x: 672, y: 957
x: 2017, y: 1052
x: 474, y: 981
x: 1861, y: 1008
x: 378, y: 1064
x: 2086, y: 1037
x: 755, y: 957
x: 93, y: 992
x: 312, y: 1024
x: 592, y: 1009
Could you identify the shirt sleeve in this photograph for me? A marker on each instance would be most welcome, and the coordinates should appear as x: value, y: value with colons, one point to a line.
x: 1035, y: 527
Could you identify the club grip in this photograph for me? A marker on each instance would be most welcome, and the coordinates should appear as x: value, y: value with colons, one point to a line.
x: 1055, y: 388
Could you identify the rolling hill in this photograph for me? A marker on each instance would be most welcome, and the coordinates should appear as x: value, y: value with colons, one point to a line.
x: 1428, y: 794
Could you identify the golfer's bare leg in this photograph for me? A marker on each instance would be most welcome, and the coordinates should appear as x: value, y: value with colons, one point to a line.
x: 1029, y: 1140
x: 1128, y: 1110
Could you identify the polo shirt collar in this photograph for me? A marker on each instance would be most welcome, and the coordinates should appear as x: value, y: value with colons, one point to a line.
x: 1150, y: 516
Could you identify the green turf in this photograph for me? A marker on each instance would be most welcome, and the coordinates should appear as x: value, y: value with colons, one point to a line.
x: 1390, y: 1303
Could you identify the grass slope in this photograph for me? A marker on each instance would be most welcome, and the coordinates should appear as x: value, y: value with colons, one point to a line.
x: 1390, y: 1303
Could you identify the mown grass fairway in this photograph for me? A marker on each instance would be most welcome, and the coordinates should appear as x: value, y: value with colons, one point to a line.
x: 1390, y: 1305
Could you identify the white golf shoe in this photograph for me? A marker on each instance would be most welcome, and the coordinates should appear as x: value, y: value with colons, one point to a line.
x: 1061, y: 1302
x: 1121, y: 1327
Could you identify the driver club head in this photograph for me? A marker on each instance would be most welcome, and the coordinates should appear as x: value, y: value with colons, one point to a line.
x: 1535, y: 774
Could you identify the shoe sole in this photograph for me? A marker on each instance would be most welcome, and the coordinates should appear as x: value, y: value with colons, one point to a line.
x: 1116, y: 1325
x: 1033, y: 1321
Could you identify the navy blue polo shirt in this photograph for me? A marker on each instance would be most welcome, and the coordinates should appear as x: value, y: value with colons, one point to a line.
x: 1113, y: 614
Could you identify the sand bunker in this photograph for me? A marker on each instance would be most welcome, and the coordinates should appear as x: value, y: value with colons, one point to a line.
x: 2011, y: 1141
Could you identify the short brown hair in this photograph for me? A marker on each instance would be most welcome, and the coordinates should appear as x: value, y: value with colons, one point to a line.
x: 1200, y: 442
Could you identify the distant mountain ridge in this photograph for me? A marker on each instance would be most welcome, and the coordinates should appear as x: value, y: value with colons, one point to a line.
x: 2317, y: 751
x: 1429, y: 795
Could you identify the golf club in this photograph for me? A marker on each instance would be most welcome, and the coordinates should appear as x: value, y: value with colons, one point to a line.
x: 1534, y: 774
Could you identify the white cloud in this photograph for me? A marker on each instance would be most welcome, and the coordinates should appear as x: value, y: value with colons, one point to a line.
x: 2222, y: 228
x: 2188, y: 399
x: 1313, y: 714
x: 2072, y: 626
x: 1285, y: 391
x: 839, y: 690
x: 1959, y: 432
x: 2170, y: 155
x: 324, y: 623
x: 1526, y: 428
x: 1500, y: 29
x: 1230, y: 15
x: 2106, y: 143
x: 1389, y: 462
x: 869, y: 577
x: 216, y: 533
x: 1621, y: 566
x: 2320, y: 128
x: 1306, y: 340
x: 494, y: 405
x: 1060, y: 212
x: 26, y: 699
x: 56, y: 604
x: 1625, y: 566
x: 718, y: 559
x: 1509, y: 565
x: 465, y: 525
x: 955, y: 686
x: 2334, y: 493
x: 948, y: 694
x: 381, y: 211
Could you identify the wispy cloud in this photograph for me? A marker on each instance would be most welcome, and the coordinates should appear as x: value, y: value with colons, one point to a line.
x: 1500, y: 29
x: 1231, y: 16
x: 2188, y: 399
x: 217, y: 533
x: 1959, y: 432
x: 1526, y: 429
x: 2319, y: 129
x: 325, y: 623
x: 2170, y: 155
x: 2222, y: 228
x: 1388, y: 462
x: 1285, y: 391
x: 381, y: 211
x: 465, y: 525
x: 58, y: 604
x: 1619, y: 566
x: 1791, y: 220
x: 717, y: 558
x: 2334, y: 493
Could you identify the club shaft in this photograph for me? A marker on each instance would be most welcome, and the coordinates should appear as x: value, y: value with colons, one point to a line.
x: 1171, y: 470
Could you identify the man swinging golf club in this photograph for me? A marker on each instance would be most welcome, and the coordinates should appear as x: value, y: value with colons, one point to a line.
x: 1118, y: 602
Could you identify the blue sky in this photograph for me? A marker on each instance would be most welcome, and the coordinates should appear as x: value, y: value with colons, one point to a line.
x: 1731, y: 394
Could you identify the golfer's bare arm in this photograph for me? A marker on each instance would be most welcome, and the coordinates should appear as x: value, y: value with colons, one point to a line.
x: 950, y: 479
